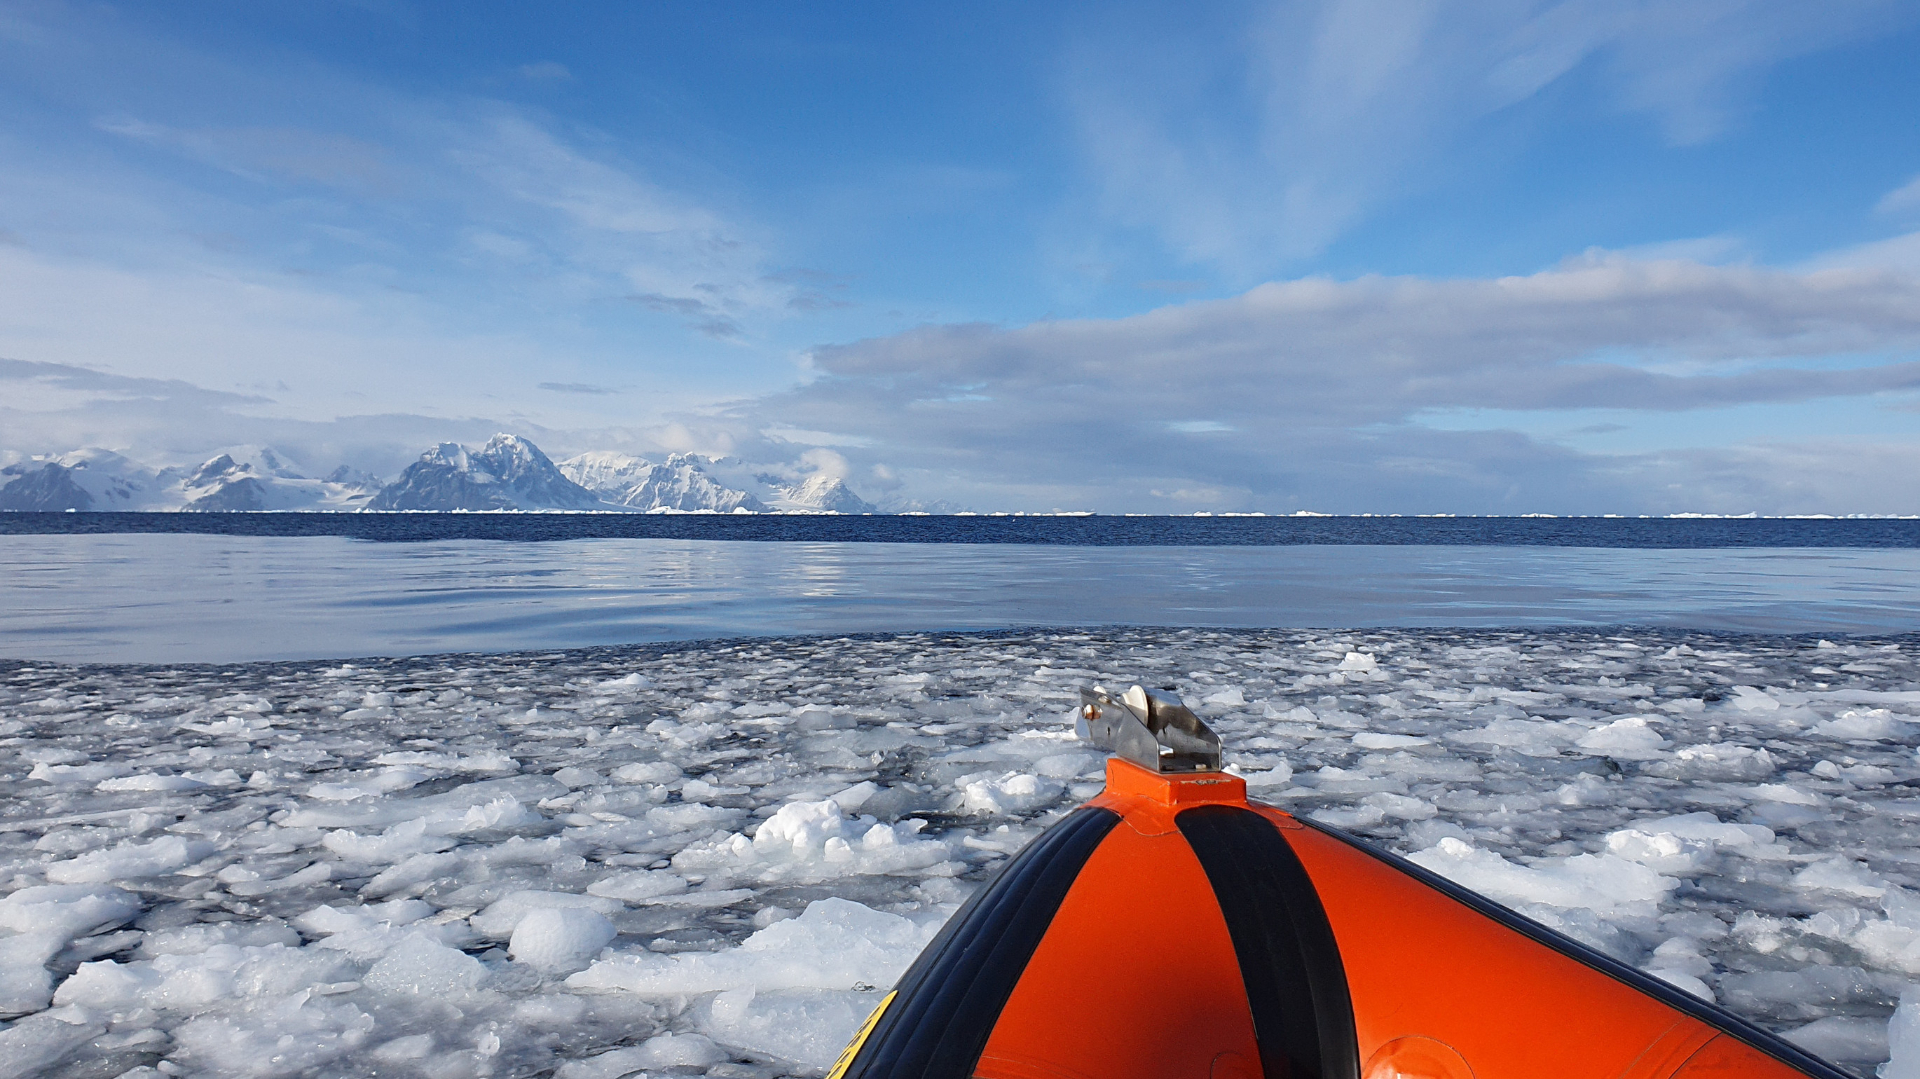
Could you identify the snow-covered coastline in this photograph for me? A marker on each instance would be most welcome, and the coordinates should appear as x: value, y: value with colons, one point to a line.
x: 708, y: 856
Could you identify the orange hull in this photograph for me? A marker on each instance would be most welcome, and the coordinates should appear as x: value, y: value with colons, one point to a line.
x: 1171, y: 929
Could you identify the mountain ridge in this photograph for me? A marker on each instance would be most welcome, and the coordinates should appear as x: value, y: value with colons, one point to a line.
x: 509, y: 473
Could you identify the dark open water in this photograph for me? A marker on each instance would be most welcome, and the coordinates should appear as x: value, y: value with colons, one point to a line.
x: 176, y: 587
x: 1087, y: 531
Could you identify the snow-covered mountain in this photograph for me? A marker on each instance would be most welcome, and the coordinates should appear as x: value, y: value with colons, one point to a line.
x: 89, y: 479
x: 508, y: 473
x: 821, y: 493
x: 693, y: 483
x: 679, y: 483
x: 607, y: 473
x: 242, y: 478
x: 257, y: 478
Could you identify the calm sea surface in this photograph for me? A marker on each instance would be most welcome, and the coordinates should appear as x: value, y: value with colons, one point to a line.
x: 300, y: 586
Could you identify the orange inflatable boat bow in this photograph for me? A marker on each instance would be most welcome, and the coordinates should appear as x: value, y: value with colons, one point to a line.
x: 1172, y: 929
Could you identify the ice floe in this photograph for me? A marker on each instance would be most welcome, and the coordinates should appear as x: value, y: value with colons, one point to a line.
x: 717, y: 857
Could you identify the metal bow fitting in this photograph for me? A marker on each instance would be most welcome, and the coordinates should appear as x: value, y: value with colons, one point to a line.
x: 1153, y: 730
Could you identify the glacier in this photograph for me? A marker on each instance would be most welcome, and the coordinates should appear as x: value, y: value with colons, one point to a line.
x: 715, y: 856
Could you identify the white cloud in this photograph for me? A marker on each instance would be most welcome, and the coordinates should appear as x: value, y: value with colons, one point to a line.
x: 379, y: 221
x: 826, y: 463
x: 311, y: 353
x: 1313, y: 392
x: 1313, y: 389
x: 1897, y: 254
x: 781, y: 433
x: 50, y: 407
x: 1901, y: 200
x: 529, y: 205
x: 1270, y: 139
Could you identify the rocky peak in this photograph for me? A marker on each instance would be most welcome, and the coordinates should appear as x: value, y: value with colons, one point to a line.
x: 508, y: 473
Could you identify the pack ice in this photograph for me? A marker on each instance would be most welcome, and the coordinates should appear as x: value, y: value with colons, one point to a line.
x: 713, y: 858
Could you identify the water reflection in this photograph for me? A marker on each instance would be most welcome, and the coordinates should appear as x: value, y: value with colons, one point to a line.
x: 161, y: 598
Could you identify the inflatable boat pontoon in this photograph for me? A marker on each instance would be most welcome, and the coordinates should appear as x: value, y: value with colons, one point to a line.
x: 1172, y: 929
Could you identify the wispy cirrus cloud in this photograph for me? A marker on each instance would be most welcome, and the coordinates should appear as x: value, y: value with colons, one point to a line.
x: 1256, y: 137
x: 165, y: 175
x: 270, y: 154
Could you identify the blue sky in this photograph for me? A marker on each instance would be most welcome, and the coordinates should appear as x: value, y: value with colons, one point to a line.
x: 1343, y: 256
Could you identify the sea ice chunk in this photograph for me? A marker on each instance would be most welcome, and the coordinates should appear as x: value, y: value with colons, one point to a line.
x: 1279, y: 775
x: 1844, y: 1040
x: 66, y: 774
x: 397, y: 843
x: 1711, y: 829
x: 1662, y: 852
x: 1717, y: 760
x: 834, y: 944
x: 191, y: 983
x: 1749, y: 699
x: 807, y: 1026
x: 1533, y: 737
x: 1400, y: 806
x: 1843, y: 875
x: 638, y: 885
x: 1009, y: 792
x: 800, y: 827
x: 1379, y: 740
x: 1678, y: 962
x: 416, y: 870
x: 66, y: 909
x: 271, y: 1039
x: 150, y: 783
x: 816, y: 841
x: 26, y: 985
x: 647, y: 772
x: 38, y: 1042
x: 130, y: 860
x: 660, y: 1051
x: 1602, y: 883
x: 1629, y: 739
x: 503, y: 916
x: 851, y: 799
x: 1870, y: 725
x: 425, y: 967
x: 1787, y: 794
x: 560, y: 940
x: 1903, y: 1038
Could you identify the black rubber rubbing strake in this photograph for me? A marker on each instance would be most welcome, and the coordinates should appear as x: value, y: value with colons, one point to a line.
x: 950, y: 999
x: 1289, y: 960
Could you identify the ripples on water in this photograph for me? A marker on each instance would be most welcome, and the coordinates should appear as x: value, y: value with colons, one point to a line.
x: 176, y: 598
